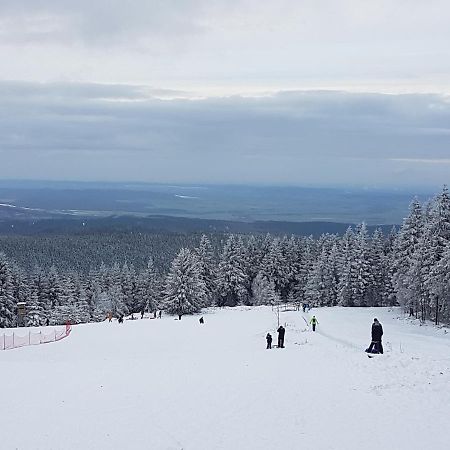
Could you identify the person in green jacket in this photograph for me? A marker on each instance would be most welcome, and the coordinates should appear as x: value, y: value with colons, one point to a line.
x: 314, y: 322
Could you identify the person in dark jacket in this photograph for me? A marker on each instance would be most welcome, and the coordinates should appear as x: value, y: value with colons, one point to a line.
x: 281, y: 331
x: 269, y: 340
x: 201, y: 320
x: 377, y: 332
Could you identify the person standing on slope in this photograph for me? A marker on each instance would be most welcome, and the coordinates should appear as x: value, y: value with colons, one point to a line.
x: 314, y: 322
x: 269, y: 341
x: 281, y: 331
x: 377, y: 332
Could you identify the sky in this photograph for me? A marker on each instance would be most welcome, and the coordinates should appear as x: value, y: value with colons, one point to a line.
x: 303, y: 92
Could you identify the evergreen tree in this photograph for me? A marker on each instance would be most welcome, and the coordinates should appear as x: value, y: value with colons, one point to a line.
x: 148, y: 287
x: 231, y: 279
x: 185, y: 291
x: 7, y: 304
x: 263, y: 291
x: 405, y: 246
x: 207, y: 266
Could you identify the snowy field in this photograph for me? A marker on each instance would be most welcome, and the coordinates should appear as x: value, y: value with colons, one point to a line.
x: 165, y: 384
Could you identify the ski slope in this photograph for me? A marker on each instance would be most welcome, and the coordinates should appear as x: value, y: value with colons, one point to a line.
x: 169, y: 384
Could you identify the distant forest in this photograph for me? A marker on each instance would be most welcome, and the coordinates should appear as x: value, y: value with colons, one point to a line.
x: 65, y: 277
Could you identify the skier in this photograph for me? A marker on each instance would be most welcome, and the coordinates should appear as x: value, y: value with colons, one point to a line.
x: 281, y: 332
x: 269, y: 341
x: 201, y: 320
x: 377, y: 332
x: 314, y: 322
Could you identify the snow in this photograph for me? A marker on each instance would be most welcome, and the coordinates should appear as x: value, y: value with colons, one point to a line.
x: 169, y: 384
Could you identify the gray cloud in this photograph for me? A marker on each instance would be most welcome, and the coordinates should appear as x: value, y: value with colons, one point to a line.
x: 124, y: 132
x: 230, y: 45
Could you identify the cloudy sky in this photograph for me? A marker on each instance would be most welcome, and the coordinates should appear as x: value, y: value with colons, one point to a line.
x: 243, y: 91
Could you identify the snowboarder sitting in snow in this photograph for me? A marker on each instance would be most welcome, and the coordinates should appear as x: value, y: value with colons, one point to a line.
x: 377, y: 332
x: 269, y: 340
x: 120, y: 319
x: 314, y: 322
x: 281, y: 331
x: 201, y: 320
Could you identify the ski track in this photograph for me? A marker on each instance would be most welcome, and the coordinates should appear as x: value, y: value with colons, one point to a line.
x: 171, y: 385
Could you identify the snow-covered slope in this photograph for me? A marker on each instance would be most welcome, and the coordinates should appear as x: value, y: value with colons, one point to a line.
x: 169, y: 384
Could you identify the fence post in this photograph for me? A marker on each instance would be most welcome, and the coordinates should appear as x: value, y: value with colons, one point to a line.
x: 29, y: 338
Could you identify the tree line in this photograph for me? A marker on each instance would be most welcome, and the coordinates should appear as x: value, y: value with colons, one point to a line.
x: 408, y: 267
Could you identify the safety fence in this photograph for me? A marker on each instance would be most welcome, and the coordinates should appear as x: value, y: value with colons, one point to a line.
x: 19, y: 339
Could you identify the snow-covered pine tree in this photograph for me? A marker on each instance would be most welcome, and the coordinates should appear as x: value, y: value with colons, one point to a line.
x: 263, y: 291
x: 19, y: 283
x: 207, y: 265
x: 290, y: 250
x: 7, y: 304
x: 148, y: 288
x: 362, y: 265
x: 435, y: 240
x: 231, y: 278
x: 348, y: 278
x: 117, y: 300
x: 274, y: 267
x: 253, y: 258
x: 35, y: 313
x: 378, y: 270
x: 441, y: 287
x: 405, y: 246
x: 319, y: 288
x: 53, y: 289
x: 128, y: 284
x: 185, y: 291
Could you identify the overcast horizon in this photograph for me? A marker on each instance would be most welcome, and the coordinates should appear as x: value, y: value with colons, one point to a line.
x: 322, y: 93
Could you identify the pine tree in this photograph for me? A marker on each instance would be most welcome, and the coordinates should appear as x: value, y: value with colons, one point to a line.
x: 347, y: 288
x: 405, y: 246
x: 7, y: 305
x: 274, y: 267
x: 205, y: 256
x: 148, y: 287
x: 231, y: 279
x: 362, y: 266
x: 435, y: 240
x: 185, y: 291
x: 263, y: 291
x: 35, y: 313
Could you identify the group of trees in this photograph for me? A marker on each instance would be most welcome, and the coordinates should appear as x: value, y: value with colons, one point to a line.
x: 410, y: 267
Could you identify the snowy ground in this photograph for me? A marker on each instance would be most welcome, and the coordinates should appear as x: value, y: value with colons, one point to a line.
x: 165, y: 384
